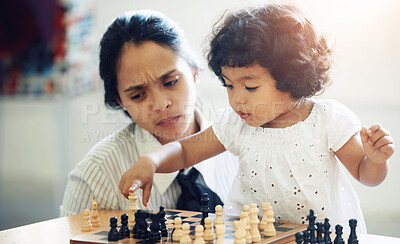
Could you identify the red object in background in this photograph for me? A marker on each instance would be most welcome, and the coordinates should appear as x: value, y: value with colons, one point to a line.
x: 10, y: 85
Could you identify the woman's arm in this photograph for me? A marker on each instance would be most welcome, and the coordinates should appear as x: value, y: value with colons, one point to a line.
x: 365, y: 155
x: 169, y: 158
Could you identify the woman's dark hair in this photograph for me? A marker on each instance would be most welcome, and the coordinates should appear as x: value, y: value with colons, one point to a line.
x: 279, y: 38
x: 137, y: 27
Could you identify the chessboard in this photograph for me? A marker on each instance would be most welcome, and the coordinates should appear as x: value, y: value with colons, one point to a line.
x: 285, y: 231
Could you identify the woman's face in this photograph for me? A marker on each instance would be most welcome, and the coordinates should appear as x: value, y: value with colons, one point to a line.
x: 156, y: 87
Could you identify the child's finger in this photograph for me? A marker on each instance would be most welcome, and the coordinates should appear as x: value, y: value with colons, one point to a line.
x: 388, y: 149
x: 375, y: 127
x: 384, y: 140
x: 379, y: 134
x: 364, y: 135
x: 136, y: 184
x: 146, y: 194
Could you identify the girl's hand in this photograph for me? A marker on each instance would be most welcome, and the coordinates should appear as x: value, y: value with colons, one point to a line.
x: 140, y: 175
x: 377, y: 142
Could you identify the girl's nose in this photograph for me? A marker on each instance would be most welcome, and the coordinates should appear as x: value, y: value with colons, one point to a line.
x: 239, y: 98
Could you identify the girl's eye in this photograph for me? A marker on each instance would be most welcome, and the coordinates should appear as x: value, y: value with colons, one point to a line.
x: 171, y: 83
x: 227, y: 86
x: 251, y: 88
x: 137, y: 96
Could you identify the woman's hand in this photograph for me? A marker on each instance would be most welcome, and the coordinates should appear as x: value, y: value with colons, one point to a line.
x: 140, y: 175
x: 377, y: 143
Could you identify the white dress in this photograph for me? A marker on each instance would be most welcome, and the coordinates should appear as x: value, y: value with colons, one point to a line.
x: 294, y: 168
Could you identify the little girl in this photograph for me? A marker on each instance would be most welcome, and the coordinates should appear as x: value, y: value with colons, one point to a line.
x: 292, y: 149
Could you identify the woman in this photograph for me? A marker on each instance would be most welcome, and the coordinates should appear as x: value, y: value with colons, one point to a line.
x: 150, y: 72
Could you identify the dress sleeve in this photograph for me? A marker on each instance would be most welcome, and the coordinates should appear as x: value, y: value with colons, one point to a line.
x: 227, y: 128
x: 341, y: 124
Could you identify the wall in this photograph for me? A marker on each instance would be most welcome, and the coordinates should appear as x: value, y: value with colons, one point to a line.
x: 41, y: 140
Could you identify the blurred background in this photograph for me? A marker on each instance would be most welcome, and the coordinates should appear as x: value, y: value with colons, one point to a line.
x: 51, y: 102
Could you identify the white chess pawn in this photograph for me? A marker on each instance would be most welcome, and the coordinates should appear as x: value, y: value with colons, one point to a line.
x: 220, y: 232
x: 185, y: 234
x: 86, y: 225
x: 177, y: 234
x: 270, y: 228
x: 218, y: 216
x: 199, y: 235
x: 244, y: 217
x: 132, y: 209
x: 264, y: 221
x: 94, y: 215
x: 255, y: 233
x: 240, y: 233
x: 208, y: 232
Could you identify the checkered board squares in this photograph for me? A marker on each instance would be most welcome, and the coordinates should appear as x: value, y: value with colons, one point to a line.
x: 284, y: 230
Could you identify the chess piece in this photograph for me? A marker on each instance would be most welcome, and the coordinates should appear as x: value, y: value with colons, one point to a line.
x: 220, y: 232
x: 177, y: 232
x: 218, y: 216
x: 94, y: 215
x: 246, y: 211
x: 269, y: 229
x: 163, y: 226
x: 263, y: 222
x: 124, y: 230
x: 299, y: 237
x: 113, y: 234
x: 327, y: 232
x: 208, y: 231
x: 244, y: 216
x: 320, y: 227
x: 141, y: 225
x: 240, y: 233
x: 311, y: 225
x: 132, y: 210
x: 255, y: 233
x: 155, y: 228
x: 307, y: 237
x: 204, y: 207
x: 199, y: 235
x: 86, y: 225
x: 339, y: 233
x: 353, y: 236
x: 185, y: 234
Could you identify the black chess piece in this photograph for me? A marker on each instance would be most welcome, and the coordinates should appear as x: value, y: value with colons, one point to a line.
x: 155, y: 232
x: 311, y: 226
x: 124, y: 230
x: 163, y: 228
x: 327, y: 232
x: 307, y: 237
x: 136, y: 225
x: 204, y: 207
x: 113, y: 233
x: 353, y: 236
x: 320, y: 230
x: 299, y: 237
x: 142, y: 231
x: 339, y: 233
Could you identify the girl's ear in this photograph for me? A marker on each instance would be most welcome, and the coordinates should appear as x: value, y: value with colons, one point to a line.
x: 195, y: 74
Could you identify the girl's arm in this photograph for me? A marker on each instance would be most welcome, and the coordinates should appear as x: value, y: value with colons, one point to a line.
x: 365, y: 155
x: 169, y: 158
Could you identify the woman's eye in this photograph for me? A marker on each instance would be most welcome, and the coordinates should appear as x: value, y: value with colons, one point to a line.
x: 171, y: 83
x: 137, y: 96
x: 251, y: 88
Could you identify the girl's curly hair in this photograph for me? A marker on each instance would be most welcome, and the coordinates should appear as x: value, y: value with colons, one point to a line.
x: 279, y: 38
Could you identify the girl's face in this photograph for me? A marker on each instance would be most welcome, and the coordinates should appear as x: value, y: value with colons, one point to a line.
x: 156, y: 87
x: 253, y: 95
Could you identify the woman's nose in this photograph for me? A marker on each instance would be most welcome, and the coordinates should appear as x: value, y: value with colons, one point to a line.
x: 160, y: 103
